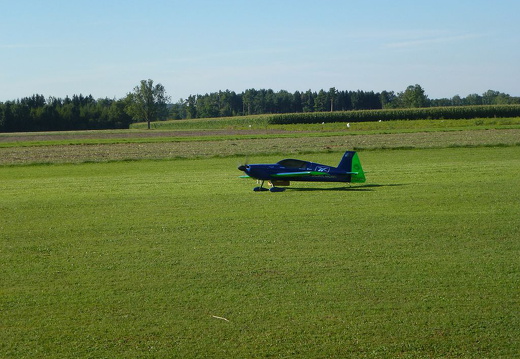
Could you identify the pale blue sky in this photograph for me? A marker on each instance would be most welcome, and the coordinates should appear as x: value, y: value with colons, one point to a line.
x: 105, y: 47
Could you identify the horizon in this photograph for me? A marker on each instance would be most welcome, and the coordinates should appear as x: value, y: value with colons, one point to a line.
x: 172, y: 102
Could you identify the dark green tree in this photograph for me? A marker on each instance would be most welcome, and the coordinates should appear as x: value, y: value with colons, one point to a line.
x: 414, y: 97
x: 148, y: 102
x: 489, y: 97
x: 321, y: 102
x: 259, y: 103
x: 247, y: 101
x: 178, y: 110
x: 296, y: 105
x: 473, y: 99
x: 191, y: 106
x: 456, y: 100
x: 343, y: 101
x: 332, y: 96
x: 308, y: 101
x: 283, y: 101
x: 388, y: 99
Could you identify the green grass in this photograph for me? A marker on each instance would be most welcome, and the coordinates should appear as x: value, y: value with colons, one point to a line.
x: 220, y: 141
x: 228, y: 129
x: 138, y: 259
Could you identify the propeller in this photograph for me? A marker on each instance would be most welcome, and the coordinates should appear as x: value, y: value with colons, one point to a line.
x: 243, y: 166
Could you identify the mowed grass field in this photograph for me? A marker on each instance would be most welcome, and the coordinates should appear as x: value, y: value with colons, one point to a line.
x: 179, y: 258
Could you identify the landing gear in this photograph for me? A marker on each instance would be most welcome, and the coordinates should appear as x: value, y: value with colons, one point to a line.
x: 261, y: 188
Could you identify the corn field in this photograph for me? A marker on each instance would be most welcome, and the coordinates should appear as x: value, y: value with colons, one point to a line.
x: 455, y: 112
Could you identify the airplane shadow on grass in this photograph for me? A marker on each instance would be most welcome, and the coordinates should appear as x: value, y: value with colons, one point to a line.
x: 360, y: 188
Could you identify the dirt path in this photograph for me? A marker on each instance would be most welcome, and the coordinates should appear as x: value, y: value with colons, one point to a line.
x: 82, y: 135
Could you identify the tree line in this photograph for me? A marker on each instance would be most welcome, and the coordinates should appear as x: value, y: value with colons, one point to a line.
x: 149, y: 103
x: 36, y: 113
x: 254, y: 102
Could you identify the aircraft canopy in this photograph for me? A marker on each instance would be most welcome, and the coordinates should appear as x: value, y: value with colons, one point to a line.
x: 290, y: 163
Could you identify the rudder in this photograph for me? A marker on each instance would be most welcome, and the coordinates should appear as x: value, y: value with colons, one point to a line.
x: 351, y: 164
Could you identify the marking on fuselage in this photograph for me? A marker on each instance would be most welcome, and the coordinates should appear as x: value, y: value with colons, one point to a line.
x: 322, y: 169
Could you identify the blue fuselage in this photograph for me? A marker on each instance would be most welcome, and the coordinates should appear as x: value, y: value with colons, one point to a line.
x: 296, y: 170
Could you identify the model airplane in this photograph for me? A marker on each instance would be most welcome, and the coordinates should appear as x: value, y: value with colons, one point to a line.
x: 282, y: 173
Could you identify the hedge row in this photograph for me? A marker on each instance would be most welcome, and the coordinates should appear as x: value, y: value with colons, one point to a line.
x: 453, y: 113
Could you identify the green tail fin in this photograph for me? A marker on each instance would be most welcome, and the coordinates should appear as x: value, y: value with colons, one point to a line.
x: 350, y: 163
x: 358, y: 177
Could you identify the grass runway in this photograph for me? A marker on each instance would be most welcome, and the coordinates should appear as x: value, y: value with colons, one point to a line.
x: 179, y: 258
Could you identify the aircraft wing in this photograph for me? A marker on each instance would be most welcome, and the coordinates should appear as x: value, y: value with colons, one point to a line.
x: 297, y: 174
x: 309, y: 173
